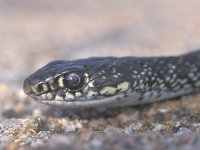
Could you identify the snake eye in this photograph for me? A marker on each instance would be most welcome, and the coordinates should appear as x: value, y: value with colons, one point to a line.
x: 74, y: 81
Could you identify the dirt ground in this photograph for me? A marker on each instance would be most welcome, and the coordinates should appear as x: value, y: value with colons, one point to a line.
x: 33, y: 33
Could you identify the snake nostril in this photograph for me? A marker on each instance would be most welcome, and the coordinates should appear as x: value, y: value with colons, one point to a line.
x: 27, y: 87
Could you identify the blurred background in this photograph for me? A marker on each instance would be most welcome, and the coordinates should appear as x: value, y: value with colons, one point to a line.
x: 35, y: 32
x: 32, y: 33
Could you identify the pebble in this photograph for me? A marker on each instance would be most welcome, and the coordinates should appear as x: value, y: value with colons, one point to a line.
x: 158, y: 127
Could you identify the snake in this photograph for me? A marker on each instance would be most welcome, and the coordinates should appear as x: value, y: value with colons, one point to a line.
x: 115, y: 81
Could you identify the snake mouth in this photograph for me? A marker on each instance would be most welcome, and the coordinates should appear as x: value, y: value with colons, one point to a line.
x: 81, y: 103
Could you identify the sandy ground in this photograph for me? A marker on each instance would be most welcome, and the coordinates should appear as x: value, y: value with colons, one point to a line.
x: 32, y: 33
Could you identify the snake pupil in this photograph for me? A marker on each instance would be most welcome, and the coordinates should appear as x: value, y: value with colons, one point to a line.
x: 73, y: 79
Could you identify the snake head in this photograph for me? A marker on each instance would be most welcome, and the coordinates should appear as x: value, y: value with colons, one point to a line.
x: 54, y: 80
x: 77, y: 83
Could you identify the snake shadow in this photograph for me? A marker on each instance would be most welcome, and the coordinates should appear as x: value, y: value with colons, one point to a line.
x: 110, y: 112
x: 91, y: 113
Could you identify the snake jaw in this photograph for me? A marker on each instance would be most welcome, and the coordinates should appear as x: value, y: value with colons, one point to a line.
x: 47, y: 83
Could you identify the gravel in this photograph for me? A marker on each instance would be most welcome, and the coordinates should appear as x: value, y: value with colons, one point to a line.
x: 33, y: 33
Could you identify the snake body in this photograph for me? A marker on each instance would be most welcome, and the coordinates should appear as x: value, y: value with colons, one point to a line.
x: 112, y: 81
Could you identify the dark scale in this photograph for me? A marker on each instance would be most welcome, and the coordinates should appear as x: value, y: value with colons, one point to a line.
x: 171, y: 69
x: 167, y: 73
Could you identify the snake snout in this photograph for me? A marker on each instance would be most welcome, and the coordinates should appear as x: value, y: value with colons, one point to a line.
x: 27, y: 87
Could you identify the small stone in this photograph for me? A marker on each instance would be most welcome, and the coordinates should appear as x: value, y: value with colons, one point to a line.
x: 123, y: 118
x: 37, y: 112
x: 163, y: 110
x: 97, y: 123
x: 111, y: 131
x: 158, y: 127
